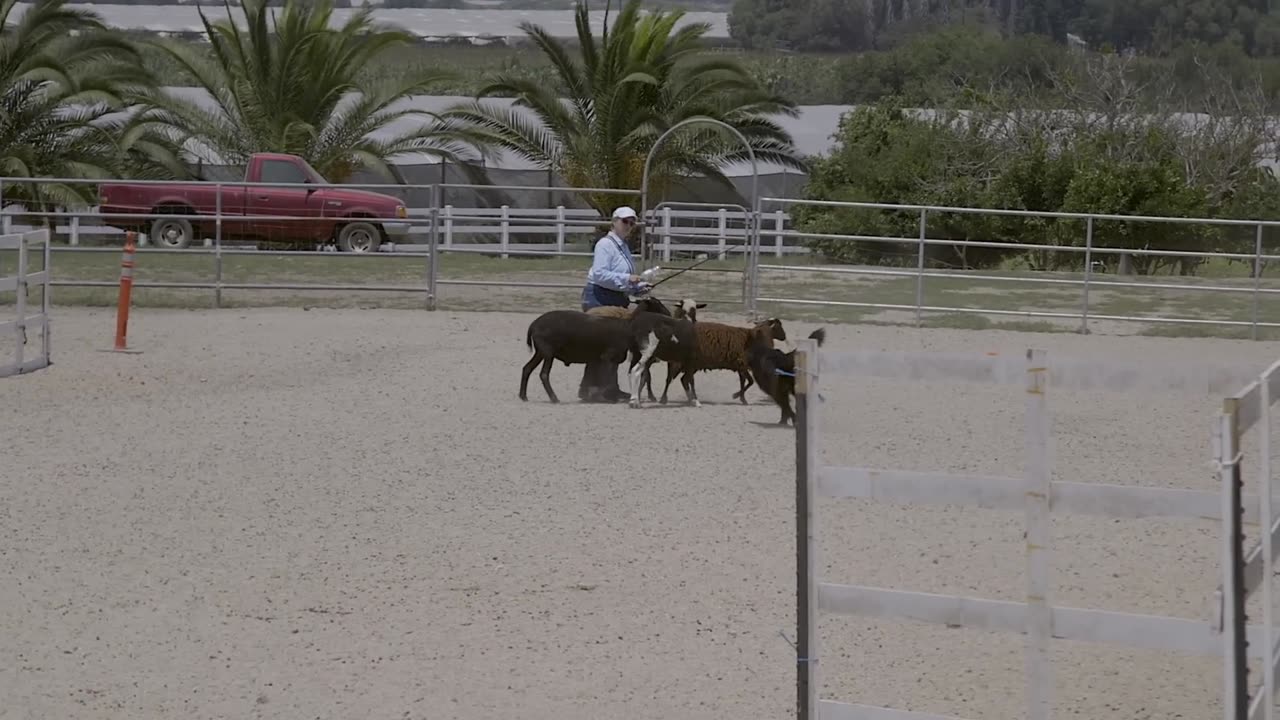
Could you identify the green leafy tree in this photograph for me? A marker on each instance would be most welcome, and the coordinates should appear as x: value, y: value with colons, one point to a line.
x: 290, y: 83
x: 1040, y: 162
x: 597, y: 116
x: 886, y: 153
x: 1109, y: 138
x: 66, y: 86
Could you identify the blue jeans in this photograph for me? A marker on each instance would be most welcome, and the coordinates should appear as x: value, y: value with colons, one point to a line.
x: 595, y: 296
x: 599, y: 377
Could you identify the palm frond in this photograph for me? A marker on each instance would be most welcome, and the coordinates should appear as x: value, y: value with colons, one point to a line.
x: 288, y: 82
x: 601, y: 113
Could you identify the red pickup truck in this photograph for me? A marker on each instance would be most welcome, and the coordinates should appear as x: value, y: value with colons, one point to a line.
x: 355, y: 220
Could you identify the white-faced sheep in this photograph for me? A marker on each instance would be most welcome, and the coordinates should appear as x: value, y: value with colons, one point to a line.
x: 571, y: 336
x: 727, y: 347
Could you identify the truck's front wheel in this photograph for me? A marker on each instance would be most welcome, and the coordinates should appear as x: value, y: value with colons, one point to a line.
x: 172, y: 233
x: 359, y: 237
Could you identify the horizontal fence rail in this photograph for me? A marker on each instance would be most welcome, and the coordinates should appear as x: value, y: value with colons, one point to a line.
x: 464, y: 229
x: 1036, y: 494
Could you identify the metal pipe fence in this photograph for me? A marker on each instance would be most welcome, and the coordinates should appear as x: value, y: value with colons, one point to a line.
x: 427, y: 233
x: 1085, y: 245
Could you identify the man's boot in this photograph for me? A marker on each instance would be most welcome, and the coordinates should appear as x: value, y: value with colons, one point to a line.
x: 595, y: 383
x: 609, y: 383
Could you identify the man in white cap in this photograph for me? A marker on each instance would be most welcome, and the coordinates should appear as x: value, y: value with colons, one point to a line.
x: 613, y: 274
x: 610, y: 281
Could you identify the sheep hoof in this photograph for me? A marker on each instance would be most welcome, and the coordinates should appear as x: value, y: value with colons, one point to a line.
x: 697, y: 404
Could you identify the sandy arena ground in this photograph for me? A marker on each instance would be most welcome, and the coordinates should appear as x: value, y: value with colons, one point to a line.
x: 349, y: 514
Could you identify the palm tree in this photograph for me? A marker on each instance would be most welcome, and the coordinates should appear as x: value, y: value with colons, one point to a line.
x: 66, y: 83
x: 289, y: 84
x: 596, y: 121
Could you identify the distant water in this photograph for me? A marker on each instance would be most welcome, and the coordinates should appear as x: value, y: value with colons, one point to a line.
x: 429, y: 23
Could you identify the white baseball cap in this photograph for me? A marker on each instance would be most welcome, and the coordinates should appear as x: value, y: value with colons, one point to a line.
x: 623, y: 213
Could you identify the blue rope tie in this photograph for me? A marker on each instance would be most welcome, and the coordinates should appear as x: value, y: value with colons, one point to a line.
x: 780, y: 371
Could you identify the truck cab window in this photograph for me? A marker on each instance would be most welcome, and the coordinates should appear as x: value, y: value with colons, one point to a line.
x: 281, y: 171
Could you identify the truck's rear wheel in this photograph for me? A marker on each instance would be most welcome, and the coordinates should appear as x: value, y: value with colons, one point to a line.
x: 359, y: 237
x: 171, y: 233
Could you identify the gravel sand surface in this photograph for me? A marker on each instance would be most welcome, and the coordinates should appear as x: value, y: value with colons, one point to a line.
x: 277, y: 513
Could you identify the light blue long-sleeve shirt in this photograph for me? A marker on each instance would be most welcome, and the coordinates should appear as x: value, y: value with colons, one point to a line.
x: 611, y: 264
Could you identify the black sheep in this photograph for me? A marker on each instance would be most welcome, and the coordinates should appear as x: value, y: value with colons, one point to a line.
x: 572, y: 336
x: 775, y: 372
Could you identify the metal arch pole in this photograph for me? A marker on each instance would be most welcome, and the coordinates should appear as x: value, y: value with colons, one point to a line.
x: 746, y: 219
x: 754, y: 235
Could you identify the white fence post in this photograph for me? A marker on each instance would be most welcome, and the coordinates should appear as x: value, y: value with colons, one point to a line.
x: 807, y: 610
x: 1245, y: 572
x: 20, y: 284
x: 559, y: 228
x: 505, y: 238
x: 666, y: 234
x: 1039, y: 489
x: 722, y: 220
x: 1268, y: 697
x: 777, y: 228
x: 448, y: 226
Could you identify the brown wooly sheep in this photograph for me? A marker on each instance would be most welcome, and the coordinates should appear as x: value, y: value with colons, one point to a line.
x: 728, y: 347
x: 613, y: 311
x: 686, y: 309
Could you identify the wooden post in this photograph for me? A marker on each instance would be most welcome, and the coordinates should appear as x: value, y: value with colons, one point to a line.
x: 806, y: 533
x: 1039, y: 666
